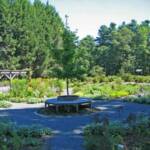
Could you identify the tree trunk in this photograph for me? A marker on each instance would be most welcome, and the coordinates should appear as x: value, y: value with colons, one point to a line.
x: 67, y: 85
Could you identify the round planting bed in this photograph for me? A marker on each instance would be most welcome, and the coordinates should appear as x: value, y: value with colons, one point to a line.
x: 68, y: 102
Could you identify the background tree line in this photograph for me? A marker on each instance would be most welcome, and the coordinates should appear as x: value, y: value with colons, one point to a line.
x: 29, y: 33
x: 33, y: 36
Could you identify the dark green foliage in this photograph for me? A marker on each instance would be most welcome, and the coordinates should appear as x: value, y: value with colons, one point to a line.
x: 33, y: 131
x: 102, y: 136
x: 124, y: 49
x: 140, y: 99
x: 17, y: 138
x: 28, y: 35
x: 98, y: 137
x: 69, y: 61
x: 64, y: 58
x: 33, y: 36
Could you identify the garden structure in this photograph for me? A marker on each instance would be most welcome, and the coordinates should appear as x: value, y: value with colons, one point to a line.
x: 11, y: 74
x: 68, y: 101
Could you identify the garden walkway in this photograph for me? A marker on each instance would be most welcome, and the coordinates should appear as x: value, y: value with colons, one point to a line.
x: 68, y: 129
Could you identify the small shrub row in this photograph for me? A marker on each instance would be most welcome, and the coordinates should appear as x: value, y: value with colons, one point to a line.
x: 103, y: 78
x: 17, y: 138
x: 119, y: 79
x: 135, y: 78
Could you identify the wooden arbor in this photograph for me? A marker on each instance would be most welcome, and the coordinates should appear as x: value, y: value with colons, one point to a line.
x: 11, y: 74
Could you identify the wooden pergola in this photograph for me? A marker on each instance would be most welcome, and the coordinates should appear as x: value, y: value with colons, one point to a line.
x: 11, y: 74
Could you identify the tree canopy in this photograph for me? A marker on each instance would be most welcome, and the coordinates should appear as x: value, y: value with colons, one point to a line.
x: 124, y: 48
x: 28, y: 34
x: 33, y: 36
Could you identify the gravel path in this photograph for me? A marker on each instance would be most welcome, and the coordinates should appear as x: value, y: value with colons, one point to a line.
x: 68, y: 129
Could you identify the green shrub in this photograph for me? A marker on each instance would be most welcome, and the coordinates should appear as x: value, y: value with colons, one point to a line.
x: 17, y: 99
x: 117, y: 94
x: 141, y: 100
x: 38, y: 88
x: 135, y: 78
x: 29, y: 100
x: 33, y: 131
x: 4, y: 96
x: 116, y: 79
x: 34, y: 100
x: 19, y: 88
x: 32, y: 142
x: 17, y: 138
x: 106, y: 90
x: 4, y: 104
x: 128, y: 77
x: 102, y: 136
x: 97, y: 137
x: 111, y: 78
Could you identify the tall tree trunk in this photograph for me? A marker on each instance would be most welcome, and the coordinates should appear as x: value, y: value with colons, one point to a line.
x: 67, y: 85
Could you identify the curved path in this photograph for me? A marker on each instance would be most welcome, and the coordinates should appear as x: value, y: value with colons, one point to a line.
x: 68, y: 129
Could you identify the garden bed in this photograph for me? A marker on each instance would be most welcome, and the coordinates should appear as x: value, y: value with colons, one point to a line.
x: 133, y: 133
x: 23, y: 137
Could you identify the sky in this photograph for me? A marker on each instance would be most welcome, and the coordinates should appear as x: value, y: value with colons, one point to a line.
x: 86, y: 16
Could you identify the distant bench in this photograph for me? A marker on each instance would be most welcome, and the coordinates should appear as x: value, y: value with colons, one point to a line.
x: 68, y: 101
